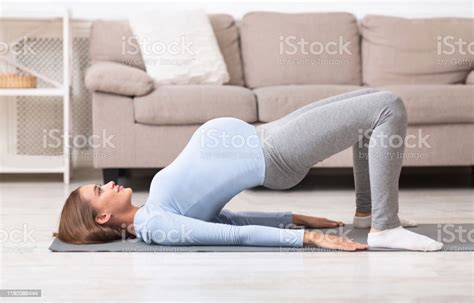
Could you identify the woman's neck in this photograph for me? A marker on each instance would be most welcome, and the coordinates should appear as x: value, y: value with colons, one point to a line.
x: 127, y: 217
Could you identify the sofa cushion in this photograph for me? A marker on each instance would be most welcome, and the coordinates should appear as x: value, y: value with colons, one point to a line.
x: 116, y: 78
x: 227, y: 35
x: 416, y: 51
x: 108, y: 39
x: 328, y: 52
x: 436, y: 104
x: 425, y: 104
x: 470, y: 78
x: 277, y: 101
x: 195, y: 104
x: 114, y: 41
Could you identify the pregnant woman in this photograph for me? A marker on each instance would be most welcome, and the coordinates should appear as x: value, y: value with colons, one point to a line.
x: 226, y: 156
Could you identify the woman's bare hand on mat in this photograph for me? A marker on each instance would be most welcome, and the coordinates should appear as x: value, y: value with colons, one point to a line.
x: 315, y: 222
x: 332, y: 241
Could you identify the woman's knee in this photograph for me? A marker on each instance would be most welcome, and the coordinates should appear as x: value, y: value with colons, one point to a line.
x: 395, y: 104
x: 370, y: 90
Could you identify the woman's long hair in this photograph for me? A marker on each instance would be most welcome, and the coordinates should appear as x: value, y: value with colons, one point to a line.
x: 77, y: 224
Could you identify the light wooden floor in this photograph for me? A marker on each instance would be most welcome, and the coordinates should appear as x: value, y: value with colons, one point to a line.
x: 34, y: 204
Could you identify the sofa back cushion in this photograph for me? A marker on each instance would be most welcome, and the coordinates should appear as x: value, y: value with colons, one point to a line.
x: 114, y: 41
x: 306, y: 48
x: 416, y: 51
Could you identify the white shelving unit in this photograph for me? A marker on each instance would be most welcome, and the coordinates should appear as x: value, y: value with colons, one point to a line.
x: 12, y: 163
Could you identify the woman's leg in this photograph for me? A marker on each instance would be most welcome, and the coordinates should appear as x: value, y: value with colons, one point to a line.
x: 293, y: 147
x: 360, y: 151
x: 303, y: 109
x: 360, y: 154
x: 320, y: 132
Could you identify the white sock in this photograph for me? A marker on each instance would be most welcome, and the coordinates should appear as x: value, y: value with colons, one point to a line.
x: 365, y: 222
x: 401, y: 238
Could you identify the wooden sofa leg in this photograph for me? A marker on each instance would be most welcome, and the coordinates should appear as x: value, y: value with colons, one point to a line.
x: 472, y: 176
x: 111, y: 174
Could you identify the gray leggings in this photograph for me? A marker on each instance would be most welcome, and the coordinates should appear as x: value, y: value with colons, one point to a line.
x: 373, y: 122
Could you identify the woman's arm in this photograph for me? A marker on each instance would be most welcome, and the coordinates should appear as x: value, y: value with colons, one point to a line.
x: 314, y: 222
x: 175, y: 230
x: 274, y: 219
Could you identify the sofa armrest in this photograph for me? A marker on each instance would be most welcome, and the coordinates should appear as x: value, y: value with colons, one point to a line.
x: 470, y: 78
x: 116, y: 78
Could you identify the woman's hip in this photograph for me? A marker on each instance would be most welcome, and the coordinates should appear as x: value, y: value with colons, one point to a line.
x: 281, y: 171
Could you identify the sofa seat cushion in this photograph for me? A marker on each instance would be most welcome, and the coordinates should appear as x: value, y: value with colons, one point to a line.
x: 425, y: 104
x: 275, y: 102
x: 436, y: 104
x: 194, y: 104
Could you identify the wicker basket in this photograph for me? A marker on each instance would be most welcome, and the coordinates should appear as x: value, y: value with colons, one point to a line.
x: 17, y: 81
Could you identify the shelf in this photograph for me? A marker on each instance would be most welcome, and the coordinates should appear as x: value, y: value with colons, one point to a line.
x: 12, y: 163
x: 31, y: 92
x: 31, y: 164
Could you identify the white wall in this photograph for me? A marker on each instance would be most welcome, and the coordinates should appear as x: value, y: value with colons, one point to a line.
x: 108, y: 9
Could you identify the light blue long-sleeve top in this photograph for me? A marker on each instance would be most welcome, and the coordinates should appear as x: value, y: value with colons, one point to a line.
x: 185, y: 206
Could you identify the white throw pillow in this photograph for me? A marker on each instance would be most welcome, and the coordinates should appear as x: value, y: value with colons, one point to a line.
x: 179, y: 47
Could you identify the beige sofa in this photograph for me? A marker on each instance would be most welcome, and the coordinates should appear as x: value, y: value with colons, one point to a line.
x: 271, y: 75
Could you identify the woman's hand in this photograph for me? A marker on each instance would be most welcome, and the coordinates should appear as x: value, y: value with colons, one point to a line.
x: 314, y: 222
x: 331, y: 241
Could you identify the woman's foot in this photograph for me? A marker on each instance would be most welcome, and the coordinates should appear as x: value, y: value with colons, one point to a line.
x: 365, y: 222
x: 401, y: 238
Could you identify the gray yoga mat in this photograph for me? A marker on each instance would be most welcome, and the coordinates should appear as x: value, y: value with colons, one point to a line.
x: 456, y: 237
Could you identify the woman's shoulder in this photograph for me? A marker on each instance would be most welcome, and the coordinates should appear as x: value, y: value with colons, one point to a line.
x: 150, y: 212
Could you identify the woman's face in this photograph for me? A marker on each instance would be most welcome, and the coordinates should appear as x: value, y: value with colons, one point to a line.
x: 108, y: 199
